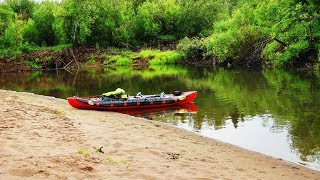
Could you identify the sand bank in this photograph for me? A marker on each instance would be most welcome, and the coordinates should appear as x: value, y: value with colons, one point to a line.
x: 43, y: 137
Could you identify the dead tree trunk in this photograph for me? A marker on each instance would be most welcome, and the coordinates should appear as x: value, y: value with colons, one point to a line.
x: 74, y: 59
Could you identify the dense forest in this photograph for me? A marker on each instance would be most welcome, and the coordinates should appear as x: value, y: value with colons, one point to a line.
x: 281, y: 33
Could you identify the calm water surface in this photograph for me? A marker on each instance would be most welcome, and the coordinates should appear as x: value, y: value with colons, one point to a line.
x: 273, y: 112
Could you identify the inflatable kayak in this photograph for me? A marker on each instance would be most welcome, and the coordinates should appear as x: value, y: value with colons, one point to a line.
x: 139, y: 101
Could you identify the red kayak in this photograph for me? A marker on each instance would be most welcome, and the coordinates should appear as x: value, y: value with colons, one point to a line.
x: 188, y: 108
x: 132, y: 102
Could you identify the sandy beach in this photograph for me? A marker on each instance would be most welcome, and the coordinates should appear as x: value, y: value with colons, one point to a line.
x: 45, y: 138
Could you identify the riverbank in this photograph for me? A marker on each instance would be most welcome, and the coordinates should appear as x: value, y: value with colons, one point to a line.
x: 66, y: 57
x: 83, y: 56
x: 43, y: 137
x: 48, y: 59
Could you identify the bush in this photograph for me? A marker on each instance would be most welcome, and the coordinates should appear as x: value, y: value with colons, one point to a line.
x: 43, y: 21
x: 175, y: 18
x: 248, y: 32
x: 22, y: 7
x: 30, y: 32
x: 26, y: 48
x: 13, y: 37
x: 293, y: 29
x: 192, y: 48
x: 147, y: 23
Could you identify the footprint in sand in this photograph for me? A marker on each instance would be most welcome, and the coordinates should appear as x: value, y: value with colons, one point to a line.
x: 23, y: 172
x: 117, y: 145
x: 157, y: 153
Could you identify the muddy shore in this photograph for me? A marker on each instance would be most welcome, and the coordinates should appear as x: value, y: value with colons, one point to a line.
x: 43, y: 137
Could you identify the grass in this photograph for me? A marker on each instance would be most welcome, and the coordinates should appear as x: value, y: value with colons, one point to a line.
x: 122, y: 61
x: 86, y: 153
x: 107, y: 159
x: 27, y: 48
x: 154, y: 57
x: 119, y: 60
x: 157, y: 57
x: 91, y: 59
x: 161, y: 57
x: 57, y: 48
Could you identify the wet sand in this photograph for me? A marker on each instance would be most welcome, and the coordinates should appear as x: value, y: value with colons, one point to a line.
x: 44, y: 138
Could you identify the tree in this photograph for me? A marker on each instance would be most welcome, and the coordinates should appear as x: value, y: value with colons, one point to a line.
x: 23, y: 7
x: 78, y: 19
x: 6, y: 16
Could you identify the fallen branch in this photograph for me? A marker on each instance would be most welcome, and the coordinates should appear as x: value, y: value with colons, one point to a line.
x: 74, y: 59
x: 71, y: 51
x: 276, y: 39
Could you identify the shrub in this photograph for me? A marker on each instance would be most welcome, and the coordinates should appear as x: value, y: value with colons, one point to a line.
x: 30, y: 32
x: 192, y: 48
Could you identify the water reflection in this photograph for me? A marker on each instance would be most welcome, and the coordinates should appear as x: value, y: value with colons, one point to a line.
x: 150, y: 113
x: 271, y: 111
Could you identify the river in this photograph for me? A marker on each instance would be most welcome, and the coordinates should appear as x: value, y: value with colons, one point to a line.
x: 274, y: 112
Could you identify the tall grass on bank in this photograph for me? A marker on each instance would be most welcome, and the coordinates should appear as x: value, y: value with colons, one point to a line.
x: 153, y: 57
x: 158, y: 57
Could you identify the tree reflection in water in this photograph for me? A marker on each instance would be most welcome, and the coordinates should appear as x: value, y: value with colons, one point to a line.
x: 292, y: 99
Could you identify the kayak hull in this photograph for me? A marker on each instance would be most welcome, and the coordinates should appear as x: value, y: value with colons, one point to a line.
x: 189, y: 108
x: 132, y: 103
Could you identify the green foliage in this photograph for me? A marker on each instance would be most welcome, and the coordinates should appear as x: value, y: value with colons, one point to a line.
x: 43, y: 19
x: 112, y: 24
x: 197, y: 17
x: 192, y: 48
x: 290, y: 52
x: 153, y: 57
x: 167, y: 57
x: 33, y: 64
x: 296, y: 27
x: 26, y: 48
x: 12, y: 39
x: 147, y: 26
x: 91, y: 59
x: 59, y: 25
x: 146, y: 54
x: 58, y: 48
x: 49, y: 58
x: 79, y: 18
x: 106, y: 22
x: 157, y: 57
x: 176, y: 18
x: 236, y: 44
x: 119, y: 60
x: 123, y: 61
x: 248, y: 33
x: 23, y: 7
x: 30, y: 32
x: 6, y: 16
x: 234, y: 38
x: 236, y: 31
